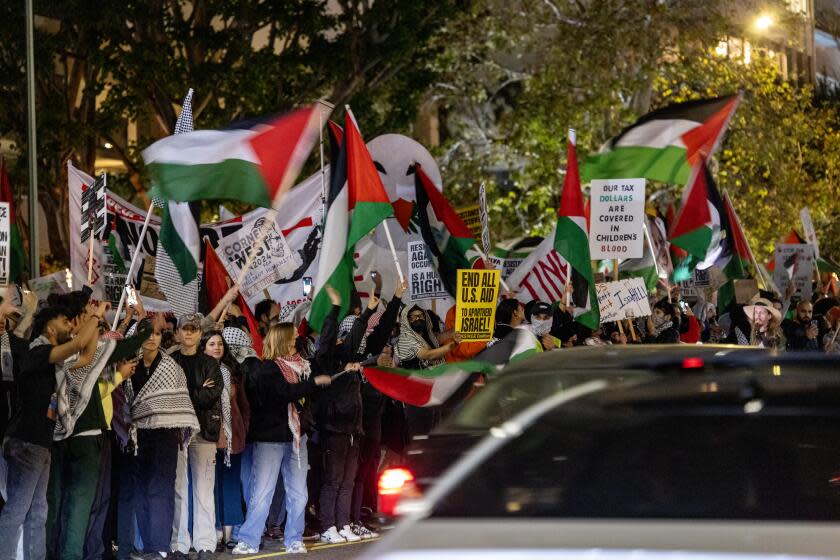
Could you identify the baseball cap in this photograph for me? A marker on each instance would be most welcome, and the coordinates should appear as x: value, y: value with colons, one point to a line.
x: 540, y: 308
x: 191, y: 320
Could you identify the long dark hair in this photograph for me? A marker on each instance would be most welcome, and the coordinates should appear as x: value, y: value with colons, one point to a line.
x: 227, y: 359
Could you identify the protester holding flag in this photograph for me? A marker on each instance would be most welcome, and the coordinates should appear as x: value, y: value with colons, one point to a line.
x: 278, y: 437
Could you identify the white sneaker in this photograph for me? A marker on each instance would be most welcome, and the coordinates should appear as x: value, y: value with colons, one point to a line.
x: 296, y: 548
x: 348, y: 534
x: 243, y: 548
x: 332, y: 536
x: 363, y: 531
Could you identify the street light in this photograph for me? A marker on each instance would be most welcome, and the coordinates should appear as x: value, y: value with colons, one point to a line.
x: 763, y: 22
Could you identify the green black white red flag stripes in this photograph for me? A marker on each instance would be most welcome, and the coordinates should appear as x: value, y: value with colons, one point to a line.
x: 434, y: 386
x: 449, y: 240
x: 179, y: 246
x: 571, y: 241
x: 357, y: 203
x: 252, y: 164
x: 701, y: 218
x: 735, y: 255
x: 665, y: 144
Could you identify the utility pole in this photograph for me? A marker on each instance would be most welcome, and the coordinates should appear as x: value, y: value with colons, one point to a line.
x: 34, y: 245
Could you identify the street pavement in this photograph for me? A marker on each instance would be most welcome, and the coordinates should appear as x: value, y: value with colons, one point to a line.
x: 274, y: 549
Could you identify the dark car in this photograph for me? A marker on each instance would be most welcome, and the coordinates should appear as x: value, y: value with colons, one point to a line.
x: 712, y: 453
x: 525, y: 383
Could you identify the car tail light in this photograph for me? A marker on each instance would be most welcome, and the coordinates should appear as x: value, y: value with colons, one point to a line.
x: 693, y: 363
x: 394, y: 484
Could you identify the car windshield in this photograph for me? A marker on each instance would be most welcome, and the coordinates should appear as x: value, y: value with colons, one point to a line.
x: 733, y: 449
x: 504, y: 398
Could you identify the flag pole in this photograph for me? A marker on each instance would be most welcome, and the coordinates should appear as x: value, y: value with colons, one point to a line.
x: 650, y: 247
x: 330, y: 106
x: 488, y: 263
x: 393, y: 251
x: 130, y: 273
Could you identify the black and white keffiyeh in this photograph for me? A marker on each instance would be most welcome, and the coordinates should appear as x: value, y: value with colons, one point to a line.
x: 75, y: 386
x: 164, y: 401
x: 6, y: 359
x: 410, y: 342
x: 239, y: 343
x: 227, y: 425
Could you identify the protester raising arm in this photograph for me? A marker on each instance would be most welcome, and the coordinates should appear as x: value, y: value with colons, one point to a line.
x: 28, y: 307
x: 89, y: 330
x: 325, y: 356
x: 378, y: 337
x: 353, y: 342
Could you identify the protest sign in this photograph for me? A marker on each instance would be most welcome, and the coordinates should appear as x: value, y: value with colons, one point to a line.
x: 617, y: 218
x: 810, y: 232
x: 794, y: 263
x: 475, y: 316
x: 745, y: 290
x: 543, y: 275
x: 623, y: 299
x: 60, y: 282
x: 274, y: 259
x: 471, y: 216
x: 5, y: 243
x: 423, y: 280
x: 506, y: 265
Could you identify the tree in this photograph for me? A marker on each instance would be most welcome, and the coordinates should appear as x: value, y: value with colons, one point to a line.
x: 100, y: 64
x: 520, y: 76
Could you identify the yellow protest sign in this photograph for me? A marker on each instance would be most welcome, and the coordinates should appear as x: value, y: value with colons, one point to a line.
x: 471, y: 216
x: 475, y: 316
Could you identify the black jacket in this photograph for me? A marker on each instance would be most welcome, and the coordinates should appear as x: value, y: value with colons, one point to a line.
x: 207, y: 401
x: 795, y: 337
x: 339, y: 406
x: 269, y: 395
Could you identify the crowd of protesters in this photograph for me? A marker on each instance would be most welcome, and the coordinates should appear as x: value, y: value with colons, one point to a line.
x: 196, y: 442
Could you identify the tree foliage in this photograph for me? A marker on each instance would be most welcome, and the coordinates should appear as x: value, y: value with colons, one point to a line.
x: 515, y: 78
x: 99, y: 64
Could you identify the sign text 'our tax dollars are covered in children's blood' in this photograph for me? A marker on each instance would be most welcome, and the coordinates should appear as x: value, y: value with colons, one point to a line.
x: 475, y: 315
x: 617, y: 219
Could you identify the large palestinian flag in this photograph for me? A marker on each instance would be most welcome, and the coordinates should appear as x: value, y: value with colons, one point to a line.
x: 665, y: 144
x: 357, y: 203
x: 571, y: 241
x: 434, y: 386
x: 252, y: 163
x: 449, y: 240
x: 734, y: 256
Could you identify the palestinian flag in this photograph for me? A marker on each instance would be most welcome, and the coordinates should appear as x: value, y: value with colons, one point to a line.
x: 571, y: 241
x: 179, y: 248
x: 697, y: 228
x: 115, y: 246
x: 434, y: 386
x: 664, y: 145
x: 449, y: 240
x: 356, y: 204
x: 793, y: 238
x: 214, y: 287
x: 17, y: 260
x: 734, y: 258
x: 254, y: 163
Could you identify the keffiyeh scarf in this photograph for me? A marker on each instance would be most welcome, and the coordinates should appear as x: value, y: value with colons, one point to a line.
x: 410, y: 342
x: 239, y: 343
x: 163, y: 402
x: 6, y: 359
x: 295, y: 369
x: 75, y: 386
x: 226, y: 414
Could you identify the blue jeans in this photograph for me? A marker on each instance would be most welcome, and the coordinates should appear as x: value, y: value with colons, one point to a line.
x: 269, y: 459
x: 26, y: 483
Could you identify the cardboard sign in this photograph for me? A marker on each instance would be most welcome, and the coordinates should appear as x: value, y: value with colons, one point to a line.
x: 274, y: 260
x: 617, y: 219
x: 623, y: 299
x: 810, y: 232
x: 475, y: 317
x: 794, y: 263
x: 471, y: 216
x: 423, y: 280
x: 745, y: 290
x: 5, y: 243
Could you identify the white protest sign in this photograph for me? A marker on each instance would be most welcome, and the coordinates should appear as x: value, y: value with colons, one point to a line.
x: 506, y: 266
x: 423, y: 280
x: 794, y: 263
x: 617, y: 218
x: 56, y: 283
x: 274, y: 259
x: 810, y: 232
x: 5, y: 243
x: 623, y: 299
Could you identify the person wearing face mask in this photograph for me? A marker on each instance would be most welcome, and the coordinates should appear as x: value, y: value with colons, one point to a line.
x: 662, y: 324
x: 540, y: 324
